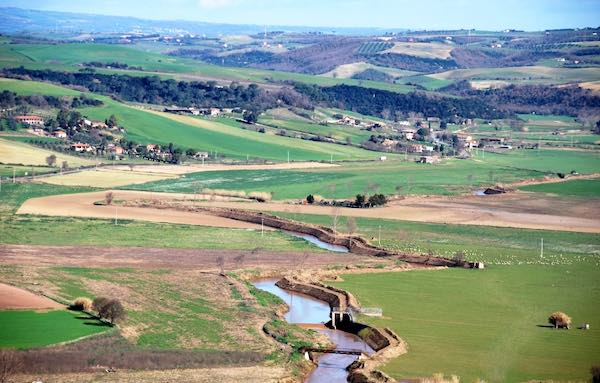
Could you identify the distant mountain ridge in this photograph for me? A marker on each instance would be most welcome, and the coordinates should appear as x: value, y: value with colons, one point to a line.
x: 18, y: 20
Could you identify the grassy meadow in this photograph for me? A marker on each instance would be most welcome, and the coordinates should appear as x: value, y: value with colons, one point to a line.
x: 487, y: 324
x: 223, y: 136
x: 451, y: 177
x: 36, y: 230
x: 573, y: 188
x: 14, y: 152
x: 27, y: 328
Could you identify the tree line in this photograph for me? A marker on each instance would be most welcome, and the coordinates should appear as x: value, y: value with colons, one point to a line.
x: 376, y: 102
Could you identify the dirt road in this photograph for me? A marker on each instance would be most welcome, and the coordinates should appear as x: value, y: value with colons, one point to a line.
x: 519, y: 210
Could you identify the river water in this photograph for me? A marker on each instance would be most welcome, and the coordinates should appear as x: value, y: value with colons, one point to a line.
x: 307, y: 310
x: 316, y: 241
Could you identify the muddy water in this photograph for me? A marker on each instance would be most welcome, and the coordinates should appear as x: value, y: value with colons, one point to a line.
x: 316, y: 241
x: 304, y: 309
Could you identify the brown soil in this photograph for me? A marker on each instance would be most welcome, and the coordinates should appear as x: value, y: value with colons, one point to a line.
x: 199, y: 259
x: 14, y: 298
x: 520, y: 210
x: 258, y: 374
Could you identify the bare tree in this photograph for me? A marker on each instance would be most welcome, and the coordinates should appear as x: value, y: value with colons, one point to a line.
x: 98, y: 303
x: 335, y: 218
x: 112, y: 311
x: 10, y: 364
x: 239, y: 260
x: 351, y: 225
x: 131, y: 166
x: 51, y: 160
x: 65, y: 165
x: 108, y: 198
x: 221, y: 264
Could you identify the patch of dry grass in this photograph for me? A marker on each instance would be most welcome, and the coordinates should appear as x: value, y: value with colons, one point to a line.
x: 104, y: 178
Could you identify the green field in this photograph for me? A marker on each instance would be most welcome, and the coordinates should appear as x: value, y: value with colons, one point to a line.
x: 27, y: 329
x: 68, y: 56
x: 577, y: 188
x: 392, y: 177
x: 7, y: 171
x: 24, y: 229
x: 488, y: 324
x: 223, y: 136
x: 492, y: 245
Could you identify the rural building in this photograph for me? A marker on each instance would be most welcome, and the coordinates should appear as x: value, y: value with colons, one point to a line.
x: 491, y: 141
x: 116, y: 149
x: 428, y: 148
x: 79, y: 147
x: 38, y: 131
x: 417, y: 148
x: 60, y: 134
x: 200, y: 155
x: 428, y: 160
x: 346, y: 120
x: 30, y: 120
x: 98, y: 125
x: 383, y: 158
x: 408, y: 134
x: 152, y: 148
x: 192, y: 111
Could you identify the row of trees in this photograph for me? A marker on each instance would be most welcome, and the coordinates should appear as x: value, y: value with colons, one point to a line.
x: 153, y: 90
x: 110, y: 310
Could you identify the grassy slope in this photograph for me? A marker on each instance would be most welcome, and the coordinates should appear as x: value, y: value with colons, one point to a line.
x: 14, y: 152
x: 67, y: 56
x: 578, y: 188
x: 223, y: 136
x: 450, y: 177
x: 485, y: 324
x: 76, y: 231
x: 26, y: 329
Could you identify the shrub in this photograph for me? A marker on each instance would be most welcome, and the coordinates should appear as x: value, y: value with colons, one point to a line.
x: 595, y: 370
x: 260, y: 196
x: 560, y: 320
x: 82, y: 304
x: 310, y: 199
x: 108, y: 198
x: 377, y: 200
x: 10, y: 363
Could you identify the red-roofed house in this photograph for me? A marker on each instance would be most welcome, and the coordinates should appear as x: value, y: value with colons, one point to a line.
x: 30, y: 120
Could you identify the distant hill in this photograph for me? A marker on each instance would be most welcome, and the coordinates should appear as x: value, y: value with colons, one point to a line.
x: 18, y: 20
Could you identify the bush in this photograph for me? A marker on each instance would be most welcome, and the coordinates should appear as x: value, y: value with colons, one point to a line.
x: 310, y: 199
x: 10, y: 363
x: 82, y: 304
x: 260, y: 196
x: 377, y: 200
x: 560, y: 320
x: 108, y: 198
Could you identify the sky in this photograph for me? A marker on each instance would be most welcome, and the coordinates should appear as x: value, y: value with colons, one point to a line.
x: 410, y: 14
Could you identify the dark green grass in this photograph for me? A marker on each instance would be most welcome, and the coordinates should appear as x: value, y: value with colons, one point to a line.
x: 488, y: 324
x: 575, y: 188
x: 26, y: 329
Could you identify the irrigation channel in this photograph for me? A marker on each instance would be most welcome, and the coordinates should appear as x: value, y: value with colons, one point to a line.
x: 306, y: 310
x: 317, y: 242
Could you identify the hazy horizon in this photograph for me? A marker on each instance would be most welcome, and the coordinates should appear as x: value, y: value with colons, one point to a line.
x: 527, y: 15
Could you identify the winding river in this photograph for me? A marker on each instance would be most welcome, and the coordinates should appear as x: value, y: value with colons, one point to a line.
x: 307, y: 310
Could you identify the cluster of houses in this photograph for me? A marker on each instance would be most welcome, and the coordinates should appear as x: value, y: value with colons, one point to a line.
x: 209, y: 112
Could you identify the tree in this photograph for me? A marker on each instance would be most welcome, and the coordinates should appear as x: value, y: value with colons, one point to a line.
x: 597, y: 127
x: 249, y: 116
x: 560, y: 320
x: 112, y: 121
x: 310, y: 199
x: 112, y: 310
x: 51, y: 160
x: 98, y: 303
x: 351, y: 225
x: 74, y: 118
x: 108, y: 198
x: 10, y: 363
x: 360, y: 200
x: 65, y: 165
x: 62, y: 118
x: 377, y: 200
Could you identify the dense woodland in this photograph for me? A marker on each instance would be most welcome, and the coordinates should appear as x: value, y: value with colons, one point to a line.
x: 381, y: 102
x: 542, y: 99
